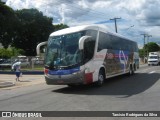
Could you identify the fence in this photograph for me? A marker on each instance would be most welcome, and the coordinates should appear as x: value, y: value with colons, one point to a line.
x: 27, y: 63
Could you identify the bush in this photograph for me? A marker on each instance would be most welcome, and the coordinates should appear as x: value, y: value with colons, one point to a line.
x: 10, y: 52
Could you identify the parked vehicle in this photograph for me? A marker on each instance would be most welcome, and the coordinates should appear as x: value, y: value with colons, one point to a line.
x: 24, y: 61
x: 38, y: 61
x: 154, y: 58
x: 2, y: 60
x: 6, y: 64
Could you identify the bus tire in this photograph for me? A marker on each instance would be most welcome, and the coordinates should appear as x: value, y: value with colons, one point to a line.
x: 101, y: 78
x: 131, y: 71
x: 135, y: 68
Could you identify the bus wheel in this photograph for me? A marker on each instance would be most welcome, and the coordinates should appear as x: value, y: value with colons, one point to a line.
x: 101, y: 78
x: 131, y: 70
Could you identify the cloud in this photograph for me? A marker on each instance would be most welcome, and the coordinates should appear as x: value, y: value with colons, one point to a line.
x: 151, y: 11
x: 143, y: 14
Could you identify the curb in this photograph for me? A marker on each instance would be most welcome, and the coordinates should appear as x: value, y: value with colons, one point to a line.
x: 6, y: 84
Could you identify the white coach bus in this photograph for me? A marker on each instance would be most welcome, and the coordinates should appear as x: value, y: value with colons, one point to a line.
x: 87, y: 54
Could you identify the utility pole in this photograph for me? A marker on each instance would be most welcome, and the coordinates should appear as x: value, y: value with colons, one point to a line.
x: 145, y: 35
x: 115, y: 21
x: 147, y: 43
x: 148, y: 38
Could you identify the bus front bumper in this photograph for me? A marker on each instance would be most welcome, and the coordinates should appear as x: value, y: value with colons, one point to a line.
x: 74, y: 78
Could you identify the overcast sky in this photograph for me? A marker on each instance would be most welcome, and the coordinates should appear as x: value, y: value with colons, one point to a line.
x: 143, y: 14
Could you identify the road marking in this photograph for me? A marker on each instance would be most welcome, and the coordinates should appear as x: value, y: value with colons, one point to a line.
x: 152, y: 72
x: 145, y: 70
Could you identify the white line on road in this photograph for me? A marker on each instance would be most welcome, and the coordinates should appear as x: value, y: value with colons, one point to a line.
x: 145, y: 70
x: 152, y: 72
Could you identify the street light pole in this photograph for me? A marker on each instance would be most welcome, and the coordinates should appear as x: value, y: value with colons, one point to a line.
x: 115, y: 21
x: 130, y: 27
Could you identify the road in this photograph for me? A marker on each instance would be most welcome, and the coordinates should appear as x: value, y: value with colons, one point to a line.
x: 140, y: 92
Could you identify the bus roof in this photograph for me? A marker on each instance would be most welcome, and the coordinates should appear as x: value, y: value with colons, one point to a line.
x: 85, y: 27
x: 74, y: 29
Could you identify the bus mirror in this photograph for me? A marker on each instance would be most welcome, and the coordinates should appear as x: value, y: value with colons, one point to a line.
x: 38, y: 47
x: 82, y: 40
x: 44, y: 49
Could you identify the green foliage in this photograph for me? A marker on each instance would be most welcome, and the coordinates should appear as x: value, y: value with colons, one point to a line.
x: 25, y: 28
x: 10, y: 52
x: 8, y: 21
x: 4, y: 53
x: 152, y: 47
x: 141, y: 52
x: 60, y: 26
x: 34, y: 28
x: 149, y: 47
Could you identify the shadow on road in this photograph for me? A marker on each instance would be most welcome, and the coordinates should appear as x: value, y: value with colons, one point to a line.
x: 121, y: 85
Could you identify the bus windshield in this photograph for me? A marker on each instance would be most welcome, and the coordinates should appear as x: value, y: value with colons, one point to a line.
x: 63, y: 51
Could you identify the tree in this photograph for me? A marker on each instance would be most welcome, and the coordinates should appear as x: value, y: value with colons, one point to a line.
x: 8, y: 21
x: 10, y: 52
x: 24, y: 29
x: 60, y: 26
x: 149, y: 47
x: 152, y: 47
x: 33, y: 29
x: 141, y: 53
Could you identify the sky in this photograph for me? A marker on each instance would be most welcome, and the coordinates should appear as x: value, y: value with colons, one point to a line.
x: 137, y: 16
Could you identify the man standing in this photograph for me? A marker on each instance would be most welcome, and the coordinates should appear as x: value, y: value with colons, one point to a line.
x: 17, y: 68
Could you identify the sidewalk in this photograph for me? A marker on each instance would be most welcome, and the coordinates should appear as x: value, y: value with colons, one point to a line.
x: 8, y: 80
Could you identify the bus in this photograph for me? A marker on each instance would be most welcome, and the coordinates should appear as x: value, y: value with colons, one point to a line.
x: 87, y: 54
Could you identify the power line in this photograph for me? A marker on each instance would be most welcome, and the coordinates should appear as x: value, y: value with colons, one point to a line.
x: 95, y: 13
x: 100, y: 13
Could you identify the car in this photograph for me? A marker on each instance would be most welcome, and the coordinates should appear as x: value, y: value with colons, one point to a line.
x: 39, y: 62
x: 2, y: 60
x: 25, y: 63
x: 6, y: 64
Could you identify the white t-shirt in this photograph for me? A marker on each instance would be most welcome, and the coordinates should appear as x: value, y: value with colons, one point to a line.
x: 16, y: 66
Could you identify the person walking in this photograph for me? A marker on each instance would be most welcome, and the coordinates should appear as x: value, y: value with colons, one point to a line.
x: 17, y: 68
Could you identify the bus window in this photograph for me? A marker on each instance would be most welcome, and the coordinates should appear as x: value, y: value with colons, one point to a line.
x: 89, y: 46
x: 104, y: 42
